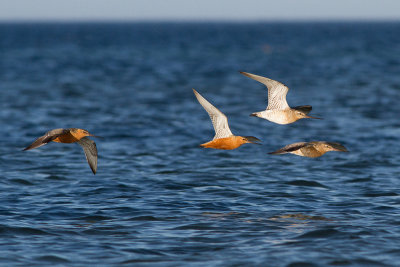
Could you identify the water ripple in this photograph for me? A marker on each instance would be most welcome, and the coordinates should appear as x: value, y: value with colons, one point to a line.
x: 158, y: 199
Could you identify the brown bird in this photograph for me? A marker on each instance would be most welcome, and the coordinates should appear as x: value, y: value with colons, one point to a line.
x: 278, y: 110
x: 310, y: 149
x: 71, y: 135
x: 223, y: 139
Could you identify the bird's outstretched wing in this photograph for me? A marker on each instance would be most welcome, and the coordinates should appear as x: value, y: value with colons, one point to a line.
x: 90, y: 149
x: 48, y: 137
x: 289, y: 148
x: 218, y: 119
x: 276, y: 91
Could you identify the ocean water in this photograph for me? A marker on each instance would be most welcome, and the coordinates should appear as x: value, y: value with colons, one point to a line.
x: 158, y: 198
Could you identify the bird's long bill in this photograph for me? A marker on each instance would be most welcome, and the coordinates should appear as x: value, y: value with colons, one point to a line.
x: 95, y: 135
x: 311, y: 117
x: 338, y: 147
x: 253, y: 140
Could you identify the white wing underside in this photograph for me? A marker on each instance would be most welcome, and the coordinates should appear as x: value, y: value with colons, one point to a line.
x: 276, y: 91
x: 218, y: 119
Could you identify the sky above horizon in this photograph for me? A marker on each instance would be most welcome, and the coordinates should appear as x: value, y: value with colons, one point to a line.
x: 127, y: 10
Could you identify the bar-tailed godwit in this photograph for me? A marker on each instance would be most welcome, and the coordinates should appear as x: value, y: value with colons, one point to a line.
x: 278, y: 110
x: 223, y: 139
x: 310, y: 149
x: 70, y: 135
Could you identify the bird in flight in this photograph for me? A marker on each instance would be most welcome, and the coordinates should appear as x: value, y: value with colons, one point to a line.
x: 70, y: 135
x: 310, y: 149
x: 278, y: 110
x: 223, y: 139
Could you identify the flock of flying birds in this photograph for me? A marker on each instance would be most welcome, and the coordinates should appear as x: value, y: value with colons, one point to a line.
x: 277, y: 111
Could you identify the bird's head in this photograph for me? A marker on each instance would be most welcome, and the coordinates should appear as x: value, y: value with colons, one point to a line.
x: 331, y: 146
x: 82, y: 132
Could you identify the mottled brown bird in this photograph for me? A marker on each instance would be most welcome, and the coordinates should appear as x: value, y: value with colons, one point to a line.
x: 278, y: 110
x: 310, y: 149
x: 71, y: 135
x: 223, y: 139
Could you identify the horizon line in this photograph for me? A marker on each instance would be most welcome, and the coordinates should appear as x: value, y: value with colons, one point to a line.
x: 198, y: 20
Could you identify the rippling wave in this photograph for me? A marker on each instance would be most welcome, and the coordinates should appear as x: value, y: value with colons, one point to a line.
x: 158, y: 198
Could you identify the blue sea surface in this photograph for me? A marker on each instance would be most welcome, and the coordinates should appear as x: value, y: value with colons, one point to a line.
x: 158, y: 199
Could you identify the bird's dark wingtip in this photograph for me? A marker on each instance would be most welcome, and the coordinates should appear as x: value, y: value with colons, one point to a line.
x: 28, y: 148
x: 93, y: 168
x: 279, y: 152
